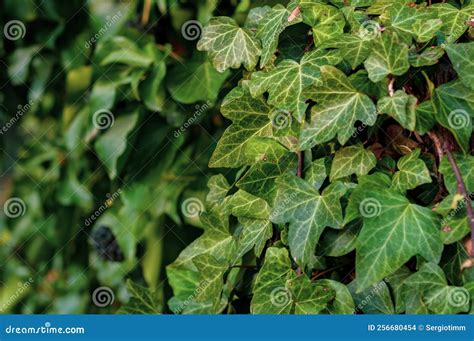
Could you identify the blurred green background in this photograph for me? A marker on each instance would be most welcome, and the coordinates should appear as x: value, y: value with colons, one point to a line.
x: 109, y: 116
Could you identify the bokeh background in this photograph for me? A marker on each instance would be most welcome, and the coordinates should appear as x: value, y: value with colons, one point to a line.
x: 108, y: 118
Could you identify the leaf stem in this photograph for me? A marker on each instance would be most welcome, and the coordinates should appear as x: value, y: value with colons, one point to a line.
x: 299, y: 170
x: 146, y: 12
x: 461, y: 189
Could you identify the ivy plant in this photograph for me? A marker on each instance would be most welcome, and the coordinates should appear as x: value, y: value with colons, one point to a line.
x: 346, y: 172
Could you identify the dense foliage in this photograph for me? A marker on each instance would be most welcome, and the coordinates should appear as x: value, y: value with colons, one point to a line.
x: 339, y: 179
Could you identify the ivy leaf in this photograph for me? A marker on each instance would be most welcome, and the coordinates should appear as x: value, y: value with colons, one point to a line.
x: 401, y: 107
x: 255, y: 233
x: 340, y: 105
x: 454, y: 107
x: 352, y: 160
x: 228, y: 45
x: 402, y: 19
x: 343, y: 302
x: 394, y: 230
x: 354, y: 49
x: 380, y: 301
x: 388, y: 57
x: 425, y: 117
x: 412, y: 172
x: 270, y: 295
x: 218, y: 188
x: 455, y: 21
x: 337, y: 243
x: 308, y: 213
x: 327, y: 21
x: 310, y: 298
x: 142, y: 301
x: 250, y: 118
x: 270, y: 28
x: 288, y: 80
x: 112, y: 145
x: 260, y: 178
x: 243, y: 204
x: 461, y: 57
x: 424, y: 30
x: 427, y: 57
x: 427, y: 291
x: 316, y: 173
x: 277, y: 290
x: 211, y: 280
x: 195, y: 81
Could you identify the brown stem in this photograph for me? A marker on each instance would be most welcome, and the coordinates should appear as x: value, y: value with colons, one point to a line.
x: 461, y: 189
x: 146, y: 12
x: 299, y: 171
x: 437, y: 144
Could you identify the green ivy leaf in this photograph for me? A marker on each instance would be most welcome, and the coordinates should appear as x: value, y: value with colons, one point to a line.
x: 401, y: 107
x: 461, y: 57
x: 455, y: 21
x: 327, y: 21
x: 412, y: 172
x: 228, y: 45
x: 142, y: 301
x: 427, y: 291
x: 337, y: 110
x: 269, y: 29
x: 352, y: 160
x: 394, y: 230
x: 388, y: 57
x: 353, y: 49
x: 286, y: 83
x: 195, y: 81
x: 250, y: 117
x: 308, y: 213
